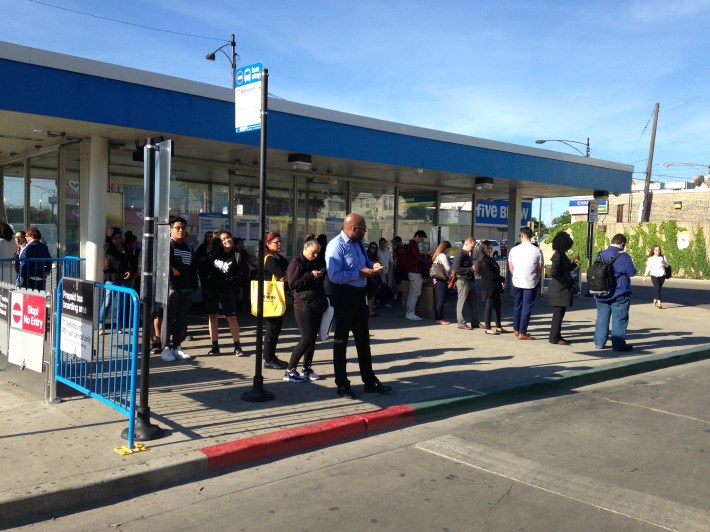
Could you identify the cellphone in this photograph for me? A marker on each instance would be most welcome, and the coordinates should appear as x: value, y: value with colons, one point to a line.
x: 322, y: 270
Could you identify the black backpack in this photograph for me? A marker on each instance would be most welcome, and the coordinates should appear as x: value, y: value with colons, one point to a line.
x: 600, y: 276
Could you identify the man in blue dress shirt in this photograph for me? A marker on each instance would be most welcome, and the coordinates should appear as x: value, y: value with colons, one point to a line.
x: 348, y: 269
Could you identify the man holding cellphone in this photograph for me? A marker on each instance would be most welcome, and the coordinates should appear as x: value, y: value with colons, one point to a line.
x: 348, y: 269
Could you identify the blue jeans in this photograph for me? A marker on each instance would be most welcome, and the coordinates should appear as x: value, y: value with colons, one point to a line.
x: 618, y: 310
x: 523, y: 300
x: 441, y: 292
x: 114, y: 299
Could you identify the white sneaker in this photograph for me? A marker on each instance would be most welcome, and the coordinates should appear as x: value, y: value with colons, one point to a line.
x: 178, y: 353
x: 167, y: 354
x: 412, y: 316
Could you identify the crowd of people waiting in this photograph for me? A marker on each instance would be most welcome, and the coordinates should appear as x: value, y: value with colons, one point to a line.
x: 343, y: 273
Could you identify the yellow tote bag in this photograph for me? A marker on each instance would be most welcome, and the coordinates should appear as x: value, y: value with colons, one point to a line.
x: 274, y: 298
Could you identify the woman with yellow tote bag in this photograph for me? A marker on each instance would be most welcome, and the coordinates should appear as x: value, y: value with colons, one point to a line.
x: 275, y: 267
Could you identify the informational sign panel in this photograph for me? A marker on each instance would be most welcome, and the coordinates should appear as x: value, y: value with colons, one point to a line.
x: 496, y: 213
x: 333, y: 226
x: 28, y: 324
x: 593, y: 212
x: 76, y: 327
x: 212, y: 222
x: 247, y: 98
x: 581, y: 206
x: 4, y: 318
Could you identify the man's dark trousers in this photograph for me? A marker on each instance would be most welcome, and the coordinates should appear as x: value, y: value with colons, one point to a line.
x: 523, y: 300
x: 351, y: 314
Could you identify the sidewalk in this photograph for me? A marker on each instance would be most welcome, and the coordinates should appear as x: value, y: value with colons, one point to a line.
x: 55, y: 458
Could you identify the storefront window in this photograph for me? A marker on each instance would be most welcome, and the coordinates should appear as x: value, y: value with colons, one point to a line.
x: 321, y: 207
x: 375, y: 202
x: 13, y: 207
x: 416, y: 211
x: 43, y: 198
x: 455, y: 217
x: 70, y: 197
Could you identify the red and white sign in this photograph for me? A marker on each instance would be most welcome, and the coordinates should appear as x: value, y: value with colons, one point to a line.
x: 28, y: 312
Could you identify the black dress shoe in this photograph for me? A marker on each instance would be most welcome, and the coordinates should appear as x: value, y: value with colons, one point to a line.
x: 346, y: 391
x: 625, y: 348
x: 276, y: 363
x: 377, y: 387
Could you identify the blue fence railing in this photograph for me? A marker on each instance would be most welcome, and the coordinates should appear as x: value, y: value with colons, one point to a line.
x: 39, y: 274
x: 110, y: 374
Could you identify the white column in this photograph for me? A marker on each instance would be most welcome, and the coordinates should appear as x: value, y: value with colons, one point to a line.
x: 94, y: 223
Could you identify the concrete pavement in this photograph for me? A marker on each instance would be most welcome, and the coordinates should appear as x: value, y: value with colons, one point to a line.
x: 56, y: 458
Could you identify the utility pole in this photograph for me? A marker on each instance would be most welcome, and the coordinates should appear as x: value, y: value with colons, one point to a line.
x: 645, y: 208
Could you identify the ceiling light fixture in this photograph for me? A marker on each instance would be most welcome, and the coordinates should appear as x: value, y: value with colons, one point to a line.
x: 299, y: 161
x: 483, y: 183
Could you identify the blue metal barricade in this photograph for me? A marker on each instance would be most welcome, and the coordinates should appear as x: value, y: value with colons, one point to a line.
x: 39, y: 274
x: 108, y: 371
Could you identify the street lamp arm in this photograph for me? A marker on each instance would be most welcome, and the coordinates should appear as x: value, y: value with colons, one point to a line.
x: 232, y: 60
x: 568, y: 143
x: 703, y: 167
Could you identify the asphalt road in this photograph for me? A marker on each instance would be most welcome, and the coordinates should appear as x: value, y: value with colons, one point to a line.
x: 631, y: 454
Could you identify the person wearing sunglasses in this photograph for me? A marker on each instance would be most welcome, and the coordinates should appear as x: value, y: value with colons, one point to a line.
x: 183, y: 283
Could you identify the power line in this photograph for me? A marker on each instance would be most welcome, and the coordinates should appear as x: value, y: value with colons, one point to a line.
x: 127, y: 23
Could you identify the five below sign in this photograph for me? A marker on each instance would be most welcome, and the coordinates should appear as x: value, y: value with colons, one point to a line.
x: 27, y: 312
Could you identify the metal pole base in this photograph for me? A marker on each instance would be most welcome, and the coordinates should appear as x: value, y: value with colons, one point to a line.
x: 144, y: 429
x: 257, y: 394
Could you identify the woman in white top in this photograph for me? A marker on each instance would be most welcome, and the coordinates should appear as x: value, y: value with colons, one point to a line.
x: 441, y: 257
x: 656, y: 265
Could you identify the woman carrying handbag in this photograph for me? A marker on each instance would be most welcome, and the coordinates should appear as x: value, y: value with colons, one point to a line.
x: 441, y: 271
x: 275, y: 265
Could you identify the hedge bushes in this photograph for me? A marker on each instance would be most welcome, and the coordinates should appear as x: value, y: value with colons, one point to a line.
x: 691, y: 262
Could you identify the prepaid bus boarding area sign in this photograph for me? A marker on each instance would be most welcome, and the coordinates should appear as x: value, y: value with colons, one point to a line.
x: 76, y: 327
x: 247, y: 98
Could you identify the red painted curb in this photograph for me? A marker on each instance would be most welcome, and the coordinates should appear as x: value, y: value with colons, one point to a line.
x: 388, y: 417
x: 283, y: 442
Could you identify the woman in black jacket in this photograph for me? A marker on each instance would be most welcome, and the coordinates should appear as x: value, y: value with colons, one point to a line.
x: 309, y: 302
x: 492, y: 286
x: 221, y: 272
x: 119, y: 267
x: 562, y: 285
x: 274, y: 266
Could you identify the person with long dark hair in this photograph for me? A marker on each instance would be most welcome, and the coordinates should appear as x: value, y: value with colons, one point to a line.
x: 656, y: 265
x: 305, y: 280
x: 275, y: 265
x: 562, y: 284
x: 119, y: 267
x: 492, y: 286
x: 222, y: 271
x: 441, y: 257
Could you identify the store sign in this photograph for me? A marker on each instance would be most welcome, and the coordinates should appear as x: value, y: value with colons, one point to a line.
x: 496, y: 213
x: 581, y: 206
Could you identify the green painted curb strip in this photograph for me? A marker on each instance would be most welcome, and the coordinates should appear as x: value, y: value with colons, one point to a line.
x: 466, y: 402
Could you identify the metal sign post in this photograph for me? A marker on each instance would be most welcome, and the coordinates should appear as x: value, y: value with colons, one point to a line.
x: 592, y: 218
x: 258, y: 393
x: 144, y: 429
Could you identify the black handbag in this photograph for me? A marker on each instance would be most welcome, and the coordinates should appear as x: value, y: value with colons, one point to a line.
x: 669, y: 272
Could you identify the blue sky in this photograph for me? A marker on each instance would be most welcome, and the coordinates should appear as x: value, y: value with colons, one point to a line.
x: 513, y: 71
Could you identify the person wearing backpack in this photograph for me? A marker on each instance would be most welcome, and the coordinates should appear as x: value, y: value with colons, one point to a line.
x: 615, y: 305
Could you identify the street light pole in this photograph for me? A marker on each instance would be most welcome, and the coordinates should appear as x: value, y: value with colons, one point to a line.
x: 231, y: 58
x: 569, y: 143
